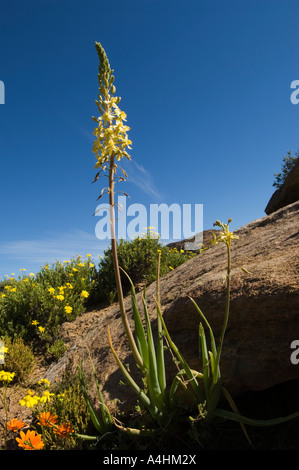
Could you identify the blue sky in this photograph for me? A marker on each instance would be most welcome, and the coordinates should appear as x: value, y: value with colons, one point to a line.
x: 205, y: 85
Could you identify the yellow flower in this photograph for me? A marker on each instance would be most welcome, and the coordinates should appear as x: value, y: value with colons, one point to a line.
x: 88, y: 255
x: 68, y: 309
x: 111, y: 134
x: 34, y: 322
x: 60, y: 297
x: 29, y: 400
x: 225, y: 236
x: 91, y: 265
x: 3, y: 295
x: 46, y: 396
x: 6, y: 376
x: 84, y: 294
x: 44, y: 382
x: 51, y: 290
x: 41, y: 329
x: 13, y: 289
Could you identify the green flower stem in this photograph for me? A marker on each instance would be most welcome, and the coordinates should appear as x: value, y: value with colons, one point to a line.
x: 227, y: 305
x: 128, y: 330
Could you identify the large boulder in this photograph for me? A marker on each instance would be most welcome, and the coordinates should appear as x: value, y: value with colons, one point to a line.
x: 287, y: 193
x: 263, y: 322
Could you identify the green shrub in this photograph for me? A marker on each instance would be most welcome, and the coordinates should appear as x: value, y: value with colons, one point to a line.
x: 33, y: 307
x: 57, y: 349
x: 139, y: 259
x: 19, y: 358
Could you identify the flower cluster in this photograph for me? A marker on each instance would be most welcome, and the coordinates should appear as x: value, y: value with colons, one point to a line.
x: 30, y: 439
x: 111, y: 133
x: 31, y: 399
x: 225, y: 236
x: 6, y: 376
x: 49, y: 420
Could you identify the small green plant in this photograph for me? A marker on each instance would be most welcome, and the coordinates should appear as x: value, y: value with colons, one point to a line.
x: 57, y: 349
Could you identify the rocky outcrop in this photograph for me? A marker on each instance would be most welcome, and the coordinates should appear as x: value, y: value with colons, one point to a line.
x: 287, y: 194
x: 264, y: 312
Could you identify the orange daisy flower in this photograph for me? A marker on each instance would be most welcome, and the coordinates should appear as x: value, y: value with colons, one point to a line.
x: 64, y: 430
x: 47, y: 419
x: 15, y: 424
x: 30, y: 440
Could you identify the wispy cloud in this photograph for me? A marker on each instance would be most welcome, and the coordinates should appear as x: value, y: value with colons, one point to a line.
x: 141, y: 177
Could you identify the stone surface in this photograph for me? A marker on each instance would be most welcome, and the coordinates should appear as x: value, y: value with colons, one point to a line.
x: 263, y: 322
x: 287, y: 194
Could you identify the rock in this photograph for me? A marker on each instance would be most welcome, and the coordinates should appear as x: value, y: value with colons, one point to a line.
x: 205, y: 238
x: 287, y: 194
x: 263, y: 322
x: 264, y: 305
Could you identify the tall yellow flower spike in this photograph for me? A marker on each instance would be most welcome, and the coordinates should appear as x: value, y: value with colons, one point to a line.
x: 110, y: 146
x: 111, y: 133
